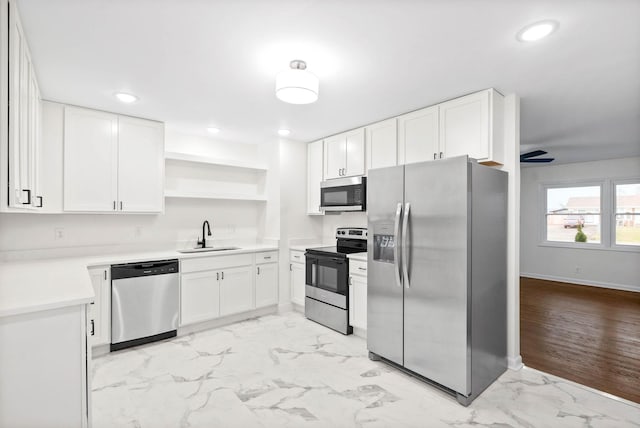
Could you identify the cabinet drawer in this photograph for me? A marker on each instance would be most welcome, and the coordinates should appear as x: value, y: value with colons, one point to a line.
x: 357, y: 267
x: 297, y: 256
x: 267, y: 257
x: 216, y: 262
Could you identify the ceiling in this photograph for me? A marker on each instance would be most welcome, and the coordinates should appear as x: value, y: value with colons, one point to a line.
x: 199, y: 63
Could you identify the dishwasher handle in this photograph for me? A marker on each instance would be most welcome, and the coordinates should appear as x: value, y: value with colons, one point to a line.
x: 134, y: 270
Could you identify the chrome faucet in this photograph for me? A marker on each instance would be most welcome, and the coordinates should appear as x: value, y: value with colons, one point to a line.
x: 204, y: 238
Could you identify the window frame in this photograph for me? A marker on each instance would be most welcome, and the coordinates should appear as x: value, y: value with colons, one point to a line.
x: 604, y: 226
x: 612, y: 228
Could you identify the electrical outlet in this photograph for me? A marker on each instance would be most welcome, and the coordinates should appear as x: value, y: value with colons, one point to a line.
x: 58, y: 233
x: 578, y: 269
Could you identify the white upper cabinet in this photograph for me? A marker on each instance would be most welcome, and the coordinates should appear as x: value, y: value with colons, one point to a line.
x: 382, y: 144
x: 315, y: 154
x: 418, y: 136
x: 472, y: 125
x: 140, y: 165
x: 112, y: 163
x: 344, y: 155
x: 24, y: 116
x: 90, y: 160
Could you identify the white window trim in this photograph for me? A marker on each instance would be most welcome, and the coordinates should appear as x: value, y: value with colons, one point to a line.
x: 612, y: 227
x: 607, y: 214
x: 542, y: 230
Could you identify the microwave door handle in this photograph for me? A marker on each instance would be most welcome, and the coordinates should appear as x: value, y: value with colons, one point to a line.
x: 396, y: 233
x: 405, y: 245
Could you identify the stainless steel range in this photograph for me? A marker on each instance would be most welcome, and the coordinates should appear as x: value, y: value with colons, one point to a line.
x: 327, y: 279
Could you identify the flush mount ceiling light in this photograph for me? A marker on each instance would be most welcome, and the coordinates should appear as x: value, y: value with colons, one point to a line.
x: 283, y: 132
x: 297, y: 85
x: 213, y: 130
x: 126, y: 98
x: 537, y: 31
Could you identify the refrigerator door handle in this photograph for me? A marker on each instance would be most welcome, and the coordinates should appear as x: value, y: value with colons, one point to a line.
x: 405, y: 245
x: 396, y: 232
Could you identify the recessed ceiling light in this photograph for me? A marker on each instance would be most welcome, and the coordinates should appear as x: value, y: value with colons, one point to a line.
x: 126, y: 98
x: 536, y: 31
x: 213, y: 130
x: 283, y: 132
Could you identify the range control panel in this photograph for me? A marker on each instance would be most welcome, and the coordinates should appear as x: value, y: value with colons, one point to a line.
x: 352, y: 232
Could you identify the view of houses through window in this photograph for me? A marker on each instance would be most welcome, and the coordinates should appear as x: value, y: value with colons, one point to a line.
x: 575, y: 214
x: 572, y: 208
x: 627, y: 210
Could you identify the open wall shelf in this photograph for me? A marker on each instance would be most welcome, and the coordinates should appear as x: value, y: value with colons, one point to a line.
x: 186, y: 157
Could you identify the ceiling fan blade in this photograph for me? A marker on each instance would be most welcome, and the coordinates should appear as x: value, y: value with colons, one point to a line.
x: 532, y: 154
x: 539, y: 160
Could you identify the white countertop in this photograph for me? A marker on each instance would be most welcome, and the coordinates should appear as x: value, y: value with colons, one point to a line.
x: 38, y: 285
x: 303, y: 247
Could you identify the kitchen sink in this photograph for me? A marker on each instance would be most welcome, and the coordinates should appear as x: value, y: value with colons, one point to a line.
x: 207, y: 249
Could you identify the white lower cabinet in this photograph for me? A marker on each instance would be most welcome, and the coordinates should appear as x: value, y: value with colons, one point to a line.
x: 199, y: 296
x: 266, y: 284
x: 45, y: 369
x: 100, y: 310
x: 236, y: 290
x: 358, y: 294
x: 297, y: 277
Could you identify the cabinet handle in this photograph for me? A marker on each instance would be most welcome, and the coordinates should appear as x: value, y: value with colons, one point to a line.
x: 258, y: 270
x: 222, y: 276
x: 93, y: 328
x: 267, y: 257
x: 40, y: 198
x: 290, y: 267
x: 349, y: 282
x: 441, y: 155
x: 114, y: 205
x: 120, y: 205
x: 435, y: 156
x: 105, y: 275
x: 28, y: 196
x: 361, y: 268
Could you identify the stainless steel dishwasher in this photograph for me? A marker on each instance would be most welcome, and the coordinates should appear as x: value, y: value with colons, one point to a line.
x: 144, y: 302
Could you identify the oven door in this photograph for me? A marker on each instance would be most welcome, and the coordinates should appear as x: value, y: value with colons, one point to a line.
x: 327, y: 273
x: 345, y: 194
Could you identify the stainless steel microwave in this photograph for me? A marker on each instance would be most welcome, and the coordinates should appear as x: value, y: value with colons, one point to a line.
x: 344, y: 194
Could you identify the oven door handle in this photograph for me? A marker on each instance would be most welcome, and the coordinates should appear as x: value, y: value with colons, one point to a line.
x: 396, y: 232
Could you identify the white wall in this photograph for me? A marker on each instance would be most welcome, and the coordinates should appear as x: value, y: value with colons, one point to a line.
x: 332, y: 221
x: 606, y: 267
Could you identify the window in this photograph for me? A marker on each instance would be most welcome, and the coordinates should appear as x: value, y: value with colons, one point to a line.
x: 573, y: 214
x: 627, y: 211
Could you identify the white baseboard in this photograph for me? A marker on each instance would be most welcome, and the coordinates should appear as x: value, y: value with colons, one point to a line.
x: 579, y: 281
x: 515, y: 363
x: 219, y: 322
x: 285, y: 307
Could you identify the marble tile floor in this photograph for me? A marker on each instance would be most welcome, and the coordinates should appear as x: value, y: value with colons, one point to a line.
x: 285, y: 371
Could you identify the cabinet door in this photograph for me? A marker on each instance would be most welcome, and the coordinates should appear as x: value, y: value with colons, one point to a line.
x: 418, y: 136
x: 266, y: 284
x: 90, y: 160
x: 334, y: 156
x: 314, y: 176
x: 140, y: 165
x: 20, y: 151
x: 354, y: 141
x: 99, y: 310
x: 358, y: 302
x: 464, y: 126
x: 382, y: 144
x: 236, y: 290
x: 297, y: 281
x: 199, y: 296
x: 35, y: 141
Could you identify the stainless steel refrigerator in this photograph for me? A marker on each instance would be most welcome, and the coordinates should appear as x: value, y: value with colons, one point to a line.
x: 437, y: 258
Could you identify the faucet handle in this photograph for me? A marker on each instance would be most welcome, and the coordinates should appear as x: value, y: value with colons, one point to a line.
x: 200, y: 243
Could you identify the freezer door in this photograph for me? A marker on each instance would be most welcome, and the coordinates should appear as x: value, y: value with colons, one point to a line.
x: 435, y: 289
x: 384, y: 287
